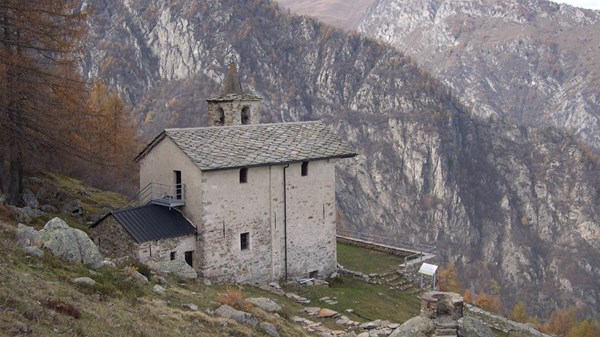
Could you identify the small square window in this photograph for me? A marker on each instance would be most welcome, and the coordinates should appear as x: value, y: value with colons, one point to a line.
x: 172, y: 256
x: 245, y: 241
x: 243, y: 175
x: 304, y: 168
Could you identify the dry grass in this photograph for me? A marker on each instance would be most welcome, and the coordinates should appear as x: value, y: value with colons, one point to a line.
x: 37, y: 298
x: 235, y: 297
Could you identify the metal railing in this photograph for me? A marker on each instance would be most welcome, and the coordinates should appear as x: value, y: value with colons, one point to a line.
x: 170, y: 195
x: 406, y: 245
x: 420, y: 252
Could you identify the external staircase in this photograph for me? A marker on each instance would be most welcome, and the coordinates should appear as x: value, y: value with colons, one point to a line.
x: 445, y: 326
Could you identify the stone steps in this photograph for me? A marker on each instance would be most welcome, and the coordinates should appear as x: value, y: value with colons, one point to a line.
x: 445, y: 332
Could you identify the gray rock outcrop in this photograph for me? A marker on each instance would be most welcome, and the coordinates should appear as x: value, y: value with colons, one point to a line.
x: 69, y: 244
x: 34, y: 251
x: 135, y: 276
x: 264, y: 303
x: 74, y: 208
x: 241, y: 317
x: 30, y: 199
x: 269, y: 328
x: 415, y: 327
x: 85, y: 281
x: 27, y: 236
x: 472, y: 327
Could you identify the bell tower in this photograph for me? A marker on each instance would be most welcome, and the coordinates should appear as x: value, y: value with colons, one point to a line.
x: 233, y: 106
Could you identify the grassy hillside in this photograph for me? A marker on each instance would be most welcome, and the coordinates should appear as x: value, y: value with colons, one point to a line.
x: 38, y: 297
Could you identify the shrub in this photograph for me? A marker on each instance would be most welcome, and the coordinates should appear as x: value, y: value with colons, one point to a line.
x: 489, y: 302
x: 235, y: 298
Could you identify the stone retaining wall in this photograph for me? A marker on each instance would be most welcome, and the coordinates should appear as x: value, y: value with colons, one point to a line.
x: 373, y: 246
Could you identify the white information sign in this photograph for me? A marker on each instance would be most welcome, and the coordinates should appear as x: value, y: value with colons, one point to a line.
x: 428, y: 269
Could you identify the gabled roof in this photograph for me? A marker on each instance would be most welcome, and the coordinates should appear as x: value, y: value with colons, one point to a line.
x: 223, y: 147
x: 152, y: 222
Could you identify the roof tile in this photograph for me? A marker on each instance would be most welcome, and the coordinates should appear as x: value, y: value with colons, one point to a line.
x: 214, y: 148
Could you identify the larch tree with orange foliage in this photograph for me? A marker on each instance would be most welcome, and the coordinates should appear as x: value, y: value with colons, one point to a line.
x: 111, y: 141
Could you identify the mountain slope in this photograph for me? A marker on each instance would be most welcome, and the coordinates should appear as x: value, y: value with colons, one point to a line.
x: 527, y: 61
x: 512, y: 204
x: 345, y: 14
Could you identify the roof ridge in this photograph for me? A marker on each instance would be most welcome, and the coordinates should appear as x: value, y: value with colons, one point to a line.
x: 245, y: 125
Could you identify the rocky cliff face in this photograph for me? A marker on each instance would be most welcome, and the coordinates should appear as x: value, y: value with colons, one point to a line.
x: 515, y: 204
x: 530, y: 61
x: 527, y: 61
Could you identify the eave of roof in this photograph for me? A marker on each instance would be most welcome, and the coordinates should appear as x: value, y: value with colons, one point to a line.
x: 151, y: 222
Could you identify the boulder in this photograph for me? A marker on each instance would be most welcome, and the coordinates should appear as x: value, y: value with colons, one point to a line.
x: 264, y: 303
x: 236, y: 315
x: 48, y: 208
x: 159, y: 289
x: 190, y: 307
x: 74, y: 208
x: 85, y: 281
x: 415, y: 327
x: 134, y: 275
x: 34, y: 251
x: 269, y: 328
x: 472, y: 327
x: 70, y: 244
x: 324, y: 313
x: 20, y: 215
x: 30, y: 199
x: 27, y: 236
x: 31, y: 212
x: 175, y: 267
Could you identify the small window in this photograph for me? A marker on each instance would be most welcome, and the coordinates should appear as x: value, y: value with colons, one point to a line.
x: 245, y: 241
x: 220, y: 117
x: 304, y: 168
x: 172, y: 256
x: 243, y: 175
x: 245, y: 115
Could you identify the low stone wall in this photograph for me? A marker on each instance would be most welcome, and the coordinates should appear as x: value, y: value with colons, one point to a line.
x: 373, y: 246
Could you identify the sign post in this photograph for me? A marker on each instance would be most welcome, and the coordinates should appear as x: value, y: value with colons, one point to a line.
x: 429, y: 270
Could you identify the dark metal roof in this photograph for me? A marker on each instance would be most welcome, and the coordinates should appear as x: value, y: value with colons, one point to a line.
x: 215, y: 148
x: 152, y: 222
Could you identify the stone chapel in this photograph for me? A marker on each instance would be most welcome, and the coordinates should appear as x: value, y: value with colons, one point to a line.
x: 239, y: 201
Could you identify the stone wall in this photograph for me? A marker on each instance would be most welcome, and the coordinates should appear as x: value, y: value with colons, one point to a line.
x: 158, y: 167
x: 155, y: 251
x: 311, y: 219
x: 257, y: 207
x: 232, y: 111
x: 374, y: 246
x: 112, y: 239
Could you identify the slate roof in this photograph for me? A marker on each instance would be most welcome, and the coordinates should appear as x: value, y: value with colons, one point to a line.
x: 215, y: 148
x: 234, y: 97
x: 152, y: 222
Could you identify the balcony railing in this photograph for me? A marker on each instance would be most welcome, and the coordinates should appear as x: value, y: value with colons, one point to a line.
x: 170, y: 195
